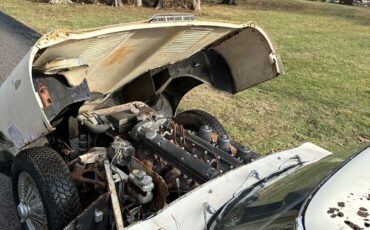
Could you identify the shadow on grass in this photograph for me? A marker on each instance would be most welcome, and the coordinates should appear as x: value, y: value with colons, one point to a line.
x: 359, y: 15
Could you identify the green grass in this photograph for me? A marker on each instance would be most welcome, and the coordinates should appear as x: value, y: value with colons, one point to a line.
x: 324, y: 97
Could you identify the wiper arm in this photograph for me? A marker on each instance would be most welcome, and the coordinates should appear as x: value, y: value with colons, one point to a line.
x: 296, y: 158
x: 253, y: 174
x: 222, y: 212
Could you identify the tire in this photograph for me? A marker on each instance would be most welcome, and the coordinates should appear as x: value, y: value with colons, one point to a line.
x: 194, y: 119
x: 56, y: 195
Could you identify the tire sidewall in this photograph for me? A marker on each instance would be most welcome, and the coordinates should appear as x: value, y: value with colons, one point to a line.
x: 42, y: 185
x: 30, y: 169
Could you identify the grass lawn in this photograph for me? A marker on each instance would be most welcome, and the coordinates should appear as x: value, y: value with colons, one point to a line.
x: 324, y: 97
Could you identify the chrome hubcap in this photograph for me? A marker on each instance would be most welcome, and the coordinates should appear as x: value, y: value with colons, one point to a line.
x: 30, y: 208
x: 23, y: 210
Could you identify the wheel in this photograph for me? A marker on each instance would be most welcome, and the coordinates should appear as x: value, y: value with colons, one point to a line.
x: 43, y: 190
x: 194, y: 119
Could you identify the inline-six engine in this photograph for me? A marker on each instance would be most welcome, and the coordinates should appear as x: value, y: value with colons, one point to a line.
x: 153, y: 159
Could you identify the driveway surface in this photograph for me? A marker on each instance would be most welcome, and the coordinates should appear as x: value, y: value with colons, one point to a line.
x: 15, y: 41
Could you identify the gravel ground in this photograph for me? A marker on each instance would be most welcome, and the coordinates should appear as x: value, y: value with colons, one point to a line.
x: 8, y: 215
x: 15, y: 41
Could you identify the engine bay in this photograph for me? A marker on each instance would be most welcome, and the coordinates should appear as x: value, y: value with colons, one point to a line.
x: 153, y: 159
x: 101, y: 136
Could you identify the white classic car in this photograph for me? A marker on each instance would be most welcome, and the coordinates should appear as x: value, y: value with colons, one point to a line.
x: 91, y: 119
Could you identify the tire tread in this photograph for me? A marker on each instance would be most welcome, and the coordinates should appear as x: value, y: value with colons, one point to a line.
x: 203, y: 117
x: 51, y: 173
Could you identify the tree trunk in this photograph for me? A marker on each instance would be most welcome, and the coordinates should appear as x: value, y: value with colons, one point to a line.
x: 159, y: 5
x: 196, y: 5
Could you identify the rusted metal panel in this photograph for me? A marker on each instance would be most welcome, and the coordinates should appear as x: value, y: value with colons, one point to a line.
x: 22, y: 118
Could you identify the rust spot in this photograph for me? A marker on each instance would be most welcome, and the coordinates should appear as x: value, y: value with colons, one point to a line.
x: 362, y: 213
x: 332, y: 210
x: 53, y: 37
x: 352, y: 225
x: 214, y: 137
x: 118, y: 55
x: 341, y: 204
x: 233, y: 150
x: 45, y: 96
x: 56, y: 35
x: 80, y: 172
x: 148, y: 164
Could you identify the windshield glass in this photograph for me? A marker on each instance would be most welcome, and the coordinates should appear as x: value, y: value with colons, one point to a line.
x: 276, y: 206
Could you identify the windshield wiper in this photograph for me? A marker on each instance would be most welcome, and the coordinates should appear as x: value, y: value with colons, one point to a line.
x: 224, y: 210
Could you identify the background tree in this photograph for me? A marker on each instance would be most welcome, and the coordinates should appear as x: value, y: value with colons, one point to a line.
x: 158, y: 4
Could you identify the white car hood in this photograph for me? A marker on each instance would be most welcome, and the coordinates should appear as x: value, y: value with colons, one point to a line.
x: 118, y: 54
